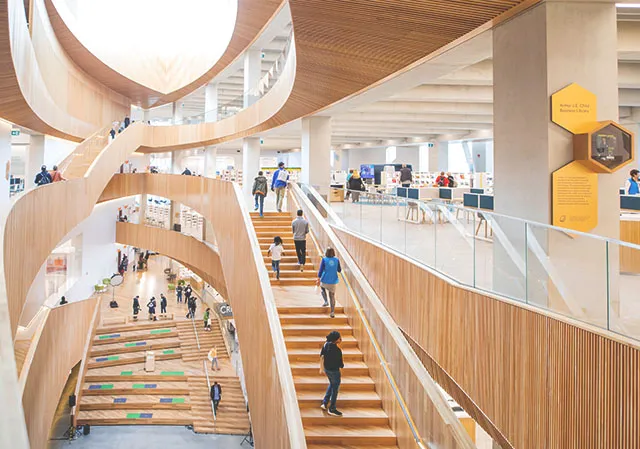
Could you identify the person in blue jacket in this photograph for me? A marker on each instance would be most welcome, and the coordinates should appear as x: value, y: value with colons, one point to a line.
x: 631, y: 184
x: 279, y: 184
x: 328, y: 278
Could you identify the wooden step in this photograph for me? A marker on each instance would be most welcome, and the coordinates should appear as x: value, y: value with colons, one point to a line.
x: 290, y: 274
x: 338, y: 434
x: 362, y: 399
x: 142, y: 378
x: 319, y: 383
x: 351, y: 416
x: 119, y: 417
x: 311, y: 368
x: 131, y: 338
x: 321, y: 330
x: 311, y: 310
x: 139, y: 326
x: 308, y: 318
x: 255, y: 214
x: 124, y: 350
x: 348, y: 341
x: 293, y: 281
x: 137, y: 391
x: 133, y: 360
x: 131, y: 405
x: 290, y: 259
x: 310, y: 355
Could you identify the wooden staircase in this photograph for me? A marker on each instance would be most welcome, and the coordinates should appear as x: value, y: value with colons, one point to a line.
x: 279, y: 224
x: 207, y: 339
x: 231, y: 418
x: 364, y: 423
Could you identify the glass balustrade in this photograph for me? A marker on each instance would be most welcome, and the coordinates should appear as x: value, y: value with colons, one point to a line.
x: 589, y: 278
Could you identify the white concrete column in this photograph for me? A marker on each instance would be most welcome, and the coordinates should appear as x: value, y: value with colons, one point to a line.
x: 35, y: 159
x: 250, y: 162
x: 537, y: 53
x: 252, y: 74
x: 176, y: 169
x: 210, y: 156
x: 211, y: 102
x: 177, y: 113
x: 316, y: 150
x: 146, y: 115
x: 13, y: 432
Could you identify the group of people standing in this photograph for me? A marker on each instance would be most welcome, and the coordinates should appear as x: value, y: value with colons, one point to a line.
x: 189, y: 299
x: 119, y: 126
x: 151, y: 305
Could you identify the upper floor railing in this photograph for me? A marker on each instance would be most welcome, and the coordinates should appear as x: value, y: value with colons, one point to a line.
x: 232, y: 107
x: 583, y: 276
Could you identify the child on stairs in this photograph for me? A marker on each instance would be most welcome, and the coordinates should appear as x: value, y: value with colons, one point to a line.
x: 276, y: 250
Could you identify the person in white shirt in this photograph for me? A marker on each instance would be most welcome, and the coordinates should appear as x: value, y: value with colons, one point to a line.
x: 276, y: 250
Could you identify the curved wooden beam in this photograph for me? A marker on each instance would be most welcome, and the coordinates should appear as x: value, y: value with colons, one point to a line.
x: 252, y: 18
x: 196, y: 255
x: 40, y: 88
x: 59, y: 348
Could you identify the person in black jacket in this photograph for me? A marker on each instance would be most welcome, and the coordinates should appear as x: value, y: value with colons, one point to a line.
x: 43, y: 178
x: 186, y: 172
x: 356, y: 186
x: 163, y: 303
x: 127, y: 121
x: 331, y: 363
x: 179, y: 293
x: 136, y: 307
x: 216, y: 395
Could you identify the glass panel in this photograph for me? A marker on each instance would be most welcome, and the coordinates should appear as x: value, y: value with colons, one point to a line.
x: 454, y: 244
x: 370, y: 210
x: 420, y: 232
x: 500, y: 255
x: 624, y: 288
x: 567, y: 273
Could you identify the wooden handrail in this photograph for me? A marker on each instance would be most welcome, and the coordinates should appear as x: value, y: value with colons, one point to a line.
x: 85, y: 360
x: 24, y: 372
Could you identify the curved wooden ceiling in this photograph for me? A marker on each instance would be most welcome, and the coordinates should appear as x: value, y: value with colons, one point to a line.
x: 252, y: 18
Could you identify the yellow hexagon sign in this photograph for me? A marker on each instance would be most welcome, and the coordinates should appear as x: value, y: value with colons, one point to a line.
x: 574, y: 108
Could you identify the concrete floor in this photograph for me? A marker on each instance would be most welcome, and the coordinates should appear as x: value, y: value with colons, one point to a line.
x: 143, y: 437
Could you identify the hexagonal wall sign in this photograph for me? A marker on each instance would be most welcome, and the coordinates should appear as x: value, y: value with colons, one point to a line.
x: 605, y: 147
x: 573, y: 108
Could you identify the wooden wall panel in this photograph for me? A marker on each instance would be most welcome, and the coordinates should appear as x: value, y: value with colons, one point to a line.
x: 629, y: 257
x: 198, y: 256
x: 59, y: 349
x: 543, y: 380
x: 276, y: 417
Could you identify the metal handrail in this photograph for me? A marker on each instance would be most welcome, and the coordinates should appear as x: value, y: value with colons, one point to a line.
x: 206, y: 372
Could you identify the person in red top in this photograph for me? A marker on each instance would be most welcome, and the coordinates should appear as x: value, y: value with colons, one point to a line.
x: 442, y: 180
x: 56, y: 176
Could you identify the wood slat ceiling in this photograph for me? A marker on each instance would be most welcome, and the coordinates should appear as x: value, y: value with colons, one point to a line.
x: 253, y: 16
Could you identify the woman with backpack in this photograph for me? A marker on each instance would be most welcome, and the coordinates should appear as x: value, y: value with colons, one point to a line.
x: 152, y: 308
x: 259, y: 191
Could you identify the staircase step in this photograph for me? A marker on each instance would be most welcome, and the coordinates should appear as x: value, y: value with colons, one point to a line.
x: 135, y: 327
x: 293, y: 281
x: 351, y: 416
x: 130, y: 338
x: 319, y: 383
x: 307, y: 310
x: 348, y: 341
x: 337, y: 434
x: 294, y: 274
x: 321, y: 330
x: 310, y: 319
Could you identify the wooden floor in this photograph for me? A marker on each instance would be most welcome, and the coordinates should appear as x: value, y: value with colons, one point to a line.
x: 305, y: 324
x: 116, y: 388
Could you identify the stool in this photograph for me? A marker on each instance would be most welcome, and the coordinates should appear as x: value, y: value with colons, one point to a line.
x: 483, y: 219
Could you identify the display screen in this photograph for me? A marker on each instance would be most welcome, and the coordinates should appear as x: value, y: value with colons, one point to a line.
x: 367, y: 171
x: 611, y: 146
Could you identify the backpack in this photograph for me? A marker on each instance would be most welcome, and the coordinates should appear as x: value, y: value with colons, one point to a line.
x: 44, y: 179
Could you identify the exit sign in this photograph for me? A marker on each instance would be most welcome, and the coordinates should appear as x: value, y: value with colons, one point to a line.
x: 15, y: 132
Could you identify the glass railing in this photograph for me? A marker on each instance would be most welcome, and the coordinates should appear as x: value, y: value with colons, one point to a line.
x: 582, y: 276
x: 232, y: 107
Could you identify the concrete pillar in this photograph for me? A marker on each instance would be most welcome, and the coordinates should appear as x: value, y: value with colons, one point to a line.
x: 344, y: 160
x: 176, y: 169
x: 35, y: 159
x: 177, y: 113
x: 439, y: 157
x: 536, y: 54
x: 316, y: 148
x: 13, y: 432
x: 210, y: 155
x: 211, y: 102
x: 250, y: 162
x: 252, y: 75
x: 146, y: 115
